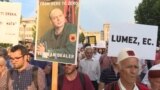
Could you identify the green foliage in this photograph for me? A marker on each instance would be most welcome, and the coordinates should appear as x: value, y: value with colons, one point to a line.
x: 81, y: 38
x: 148, y: 12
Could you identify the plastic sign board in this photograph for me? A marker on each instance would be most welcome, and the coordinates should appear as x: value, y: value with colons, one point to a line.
x: 141, y: 38
x: 10, y: 14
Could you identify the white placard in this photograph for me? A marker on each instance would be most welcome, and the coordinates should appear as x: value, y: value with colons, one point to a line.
x: 141, y: 38
x: 10, y: 14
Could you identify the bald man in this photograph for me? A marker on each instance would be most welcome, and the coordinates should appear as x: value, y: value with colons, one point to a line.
x: 61, y: 38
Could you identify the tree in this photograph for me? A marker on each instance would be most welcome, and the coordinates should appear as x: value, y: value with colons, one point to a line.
x: 4, y: 0
x: 148, y: 12
x: 81, y: 38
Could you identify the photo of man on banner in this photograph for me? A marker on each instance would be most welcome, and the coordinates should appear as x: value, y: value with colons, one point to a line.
x: 58, y: 43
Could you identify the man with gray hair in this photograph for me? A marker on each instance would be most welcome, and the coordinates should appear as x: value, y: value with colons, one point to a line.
x: 89, y: 66
x: 128, y: 68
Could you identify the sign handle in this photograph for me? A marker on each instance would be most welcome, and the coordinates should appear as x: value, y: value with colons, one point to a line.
x: 54, y: 75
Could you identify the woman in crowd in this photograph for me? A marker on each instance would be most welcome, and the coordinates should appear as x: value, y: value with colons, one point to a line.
x: 3, y: 69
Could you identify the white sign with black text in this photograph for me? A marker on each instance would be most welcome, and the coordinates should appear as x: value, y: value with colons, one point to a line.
x: 141, y: 38
x: 10, y: 14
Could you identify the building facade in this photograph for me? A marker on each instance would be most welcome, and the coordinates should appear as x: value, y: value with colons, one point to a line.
x: 102, y: 35
x: 106, y: 32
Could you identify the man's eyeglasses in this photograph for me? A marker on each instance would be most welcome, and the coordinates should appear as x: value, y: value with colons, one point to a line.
x: 16, y: 58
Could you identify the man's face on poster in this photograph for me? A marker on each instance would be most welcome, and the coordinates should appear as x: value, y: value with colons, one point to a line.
x: 57, y: 18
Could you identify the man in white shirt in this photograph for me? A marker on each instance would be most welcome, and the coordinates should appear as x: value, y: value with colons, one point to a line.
x: 96, y: 55
x: 91, y: 67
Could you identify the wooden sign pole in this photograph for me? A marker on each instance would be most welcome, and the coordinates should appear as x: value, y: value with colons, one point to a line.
x: 54, y: 75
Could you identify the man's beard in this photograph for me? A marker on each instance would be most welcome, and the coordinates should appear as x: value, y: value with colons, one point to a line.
x: 70, y: 72
x: 17, y: 67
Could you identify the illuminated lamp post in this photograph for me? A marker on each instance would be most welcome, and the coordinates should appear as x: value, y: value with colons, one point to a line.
x: 24, y: 32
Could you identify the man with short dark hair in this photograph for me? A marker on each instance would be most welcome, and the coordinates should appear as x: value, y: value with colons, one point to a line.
x: 21, y: 76
x: 73, y: 80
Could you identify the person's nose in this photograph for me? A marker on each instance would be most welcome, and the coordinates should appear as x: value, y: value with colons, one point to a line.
x: 58, y: 18
x: 134, y: 70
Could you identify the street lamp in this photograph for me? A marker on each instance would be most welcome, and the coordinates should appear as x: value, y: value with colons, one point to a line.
x: 24, y: 31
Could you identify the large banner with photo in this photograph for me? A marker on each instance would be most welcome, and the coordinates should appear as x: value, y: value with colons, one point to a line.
x: 141, y: 38
x: 10, y: 14
x: 56, y: 37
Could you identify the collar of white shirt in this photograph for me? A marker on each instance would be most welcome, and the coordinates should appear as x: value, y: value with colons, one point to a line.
x: 92, y: 59
x: 123, y: 88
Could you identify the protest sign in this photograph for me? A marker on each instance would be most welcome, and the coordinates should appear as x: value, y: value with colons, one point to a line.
x: 141, y: 38
x: 57, y: 31
x: 9, y: 22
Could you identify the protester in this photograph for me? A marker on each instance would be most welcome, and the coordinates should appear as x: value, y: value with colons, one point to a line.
x: 128, y: 67
x: 157, y: 58
x: 73, y: 80
x: 96, y: 55
x: 44, y: 65
x: 47, y: 68
x: 3, y: 69
x: 145, y: 79
x: 143, y: 68
x: 81, y: 54
x: 91, y: 67
x: 48, y: 74
x: 109, y: 75
x: 24, y: 76
x: 105, y: 61
x: 154, y: 79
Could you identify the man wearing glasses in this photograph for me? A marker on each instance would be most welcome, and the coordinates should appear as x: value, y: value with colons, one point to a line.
x: 21, y: 76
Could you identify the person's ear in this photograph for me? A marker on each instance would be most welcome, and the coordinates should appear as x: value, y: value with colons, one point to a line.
x: 26, y: 57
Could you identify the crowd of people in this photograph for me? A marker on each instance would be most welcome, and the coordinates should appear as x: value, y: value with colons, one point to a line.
x: 124, y: 72
x: 94, y: 71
